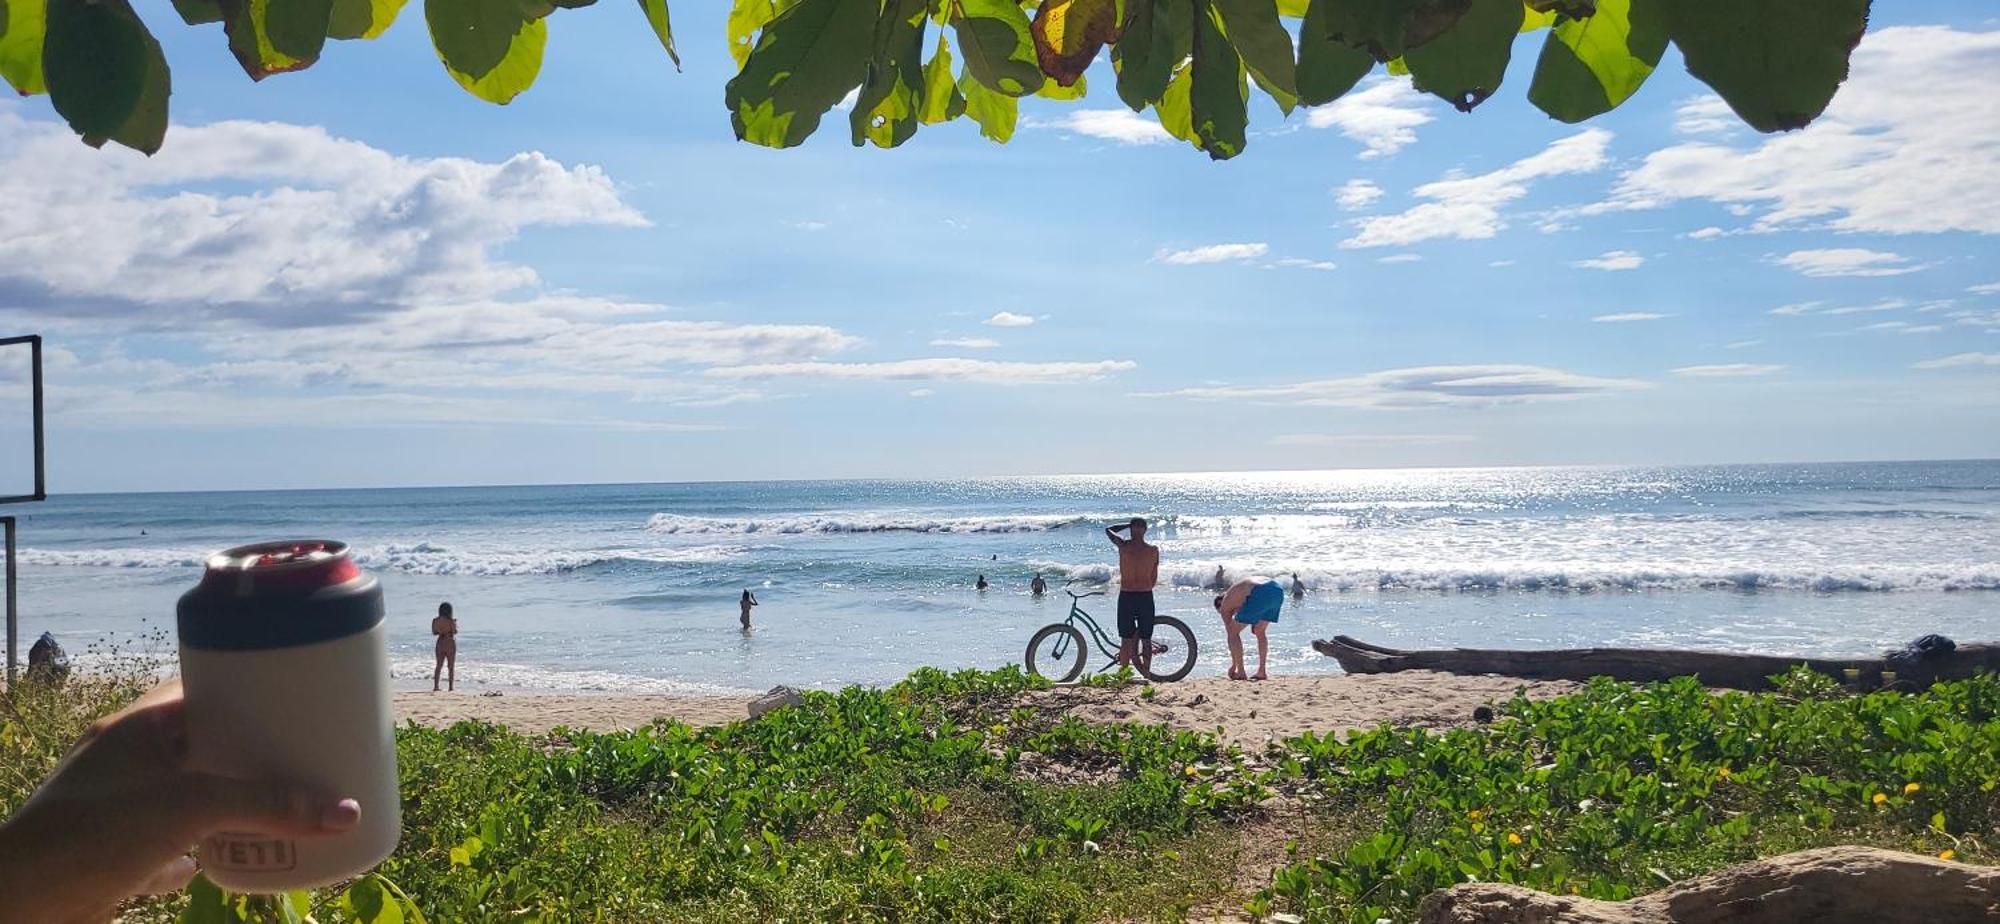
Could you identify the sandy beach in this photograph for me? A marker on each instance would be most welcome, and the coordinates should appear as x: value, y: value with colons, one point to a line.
x: 1249, y: 713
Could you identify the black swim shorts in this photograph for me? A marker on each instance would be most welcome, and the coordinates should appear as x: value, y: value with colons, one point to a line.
x: 1135, y: 614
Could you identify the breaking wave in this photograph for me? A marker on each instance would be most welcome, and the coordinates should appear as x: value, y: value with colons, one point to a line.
x: 685, y: 524
x: 1198, y: 575
x: 407, y: 558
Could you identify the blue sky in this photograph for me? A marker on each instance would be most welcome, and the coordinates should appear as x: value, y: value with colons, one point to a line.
x: 360, y: 275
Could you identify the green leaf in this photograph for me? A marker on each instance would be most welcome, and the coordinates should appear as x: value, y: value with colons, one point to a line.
x: 1388, y: 28
x: 1056, y: 91
x: 1776, y: 62
x: 1534, y: 19
x: 1069, y: 33
x: 274, y: 36
x: 942, y: 101
x: 493, y: 48
x: 1176, y: 115
x: 995, y: 112
x: 1465, y: 65
x: 805, y: 61
x: 1219, y: 96
x: 199, y: 12
x: 1397, y: 67
x: 999, y: 52
x: 367, y: 903
x: 663, y: 27
x: 21, y: 45
x: 885, y: 112
x: 105, y: 73
x: 1590, y: 66
x: 1574, y: 9
x: 1262, y: 43
x: 1328, y: 67
x: 362, y: 19
x: 206, y: 903
x: 746, y: 17
x: 1296, y: 9
x: 1154, y: 44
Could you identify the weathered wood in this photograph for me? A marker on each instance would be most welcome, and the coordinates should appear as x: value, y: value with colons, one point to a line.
x: 1639, y: 665
x: 1832, y: 885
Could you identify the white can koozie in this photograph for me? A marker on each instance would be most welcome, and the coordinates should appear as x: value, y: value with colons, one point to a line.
x: 286, y: 674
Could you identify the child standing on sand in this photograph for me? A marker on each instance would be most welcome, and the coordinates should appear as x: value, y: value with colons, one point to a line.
x: 445, y: 626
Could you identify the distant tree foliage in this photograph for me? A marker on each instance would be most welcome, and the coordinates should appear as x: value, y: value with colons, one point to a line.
x: 1776, y: 62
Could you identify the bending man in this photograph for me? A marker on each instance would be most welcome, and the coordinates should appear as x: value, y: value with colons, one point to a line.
x: 1138, y: 571
x: 1252, y: 603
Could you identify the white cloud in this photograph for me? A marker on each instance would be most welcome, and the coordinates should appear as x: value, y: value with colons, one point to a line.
x: 1369, y: 439
x: 1742, y: 344
x: 1990, y: 288
x: 1795, y: 309
x: 1706, y: 234
x: 1120, y: 125
x: 1303, y: 263
x: 1428, y: 386
x: 1468, y: 207
x: 1400, y: 258
x: 1382, y: 113
x: 1847, y: 261
x: 966, y: 343
x: 1501, y: 263
x: 1355, y: 195
x: 1705, y: 115
x: 1212, y: 253
x: 1887, y: 304
x: 327, y: 229
x: 1629, y: 316
x: 1612, y: 261
x: 1961, y: 360
x: 942, y: 369
x: 921, y: 392
x: 1008, y: 319
x: 806, y: 225
x: 1906, y: 146
x: 1729, y: 370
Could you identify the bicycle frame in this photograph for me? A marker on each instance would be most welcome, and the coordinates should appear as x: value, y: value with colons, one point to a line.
x: 1104, y: 642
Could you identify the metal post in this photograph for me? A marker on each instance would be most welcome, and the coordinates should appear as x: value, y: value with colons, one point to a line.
x: 41, y: 472
x: 13, y: 627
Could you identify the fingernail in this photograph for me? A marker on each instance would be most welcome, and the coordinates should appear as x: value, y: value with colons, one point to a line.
x: 341, y: 815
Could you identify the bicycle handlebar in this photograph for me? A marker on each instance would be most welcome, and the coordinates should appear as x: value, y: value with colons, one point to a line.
x: 1073, y: 595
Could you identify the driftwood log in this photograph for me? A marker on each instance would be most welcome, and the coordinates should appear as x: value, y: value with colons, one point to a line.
x: 1833, y: 885
x: 1640, y: 665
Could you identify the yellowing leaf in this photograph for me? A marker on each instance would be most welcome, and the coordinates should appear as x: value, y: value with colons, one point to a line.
x: 362, y: 19
x: 996, y: 113
x: 999, y: 51
x: 21, y: 45
x: 942, y: 101
x: 1069, y: 33
x: 274, y: 36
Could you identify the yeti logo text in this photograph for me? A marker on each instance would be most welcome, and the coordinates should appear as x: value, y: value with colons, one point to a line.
x: 249, y: 852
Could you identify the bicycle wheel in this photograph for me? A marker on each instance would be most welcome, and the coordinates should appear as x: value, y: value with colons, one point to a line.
x: 1057, y: 652
x: 1173, y: 650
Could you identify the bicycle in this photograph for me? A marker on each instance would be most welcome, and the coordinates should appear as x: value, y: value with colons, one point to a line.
x: 1061, y: 646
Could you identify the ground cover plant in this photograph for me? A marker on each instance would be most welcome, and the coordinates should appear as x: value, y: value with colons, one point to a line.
x: 950, y: 797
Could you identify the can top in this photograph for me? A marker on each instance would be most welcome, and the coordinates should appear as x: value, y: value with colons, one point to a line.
x: 288, y: 566
x: 279, y: 595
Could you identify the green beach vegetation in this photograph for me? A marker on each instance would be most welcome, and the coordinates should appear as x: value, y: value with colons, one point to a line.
x: 957, y: 797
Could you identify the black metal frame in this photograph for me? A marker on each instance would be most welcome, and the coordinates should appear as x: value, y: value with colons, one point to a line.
x: 34, y: 343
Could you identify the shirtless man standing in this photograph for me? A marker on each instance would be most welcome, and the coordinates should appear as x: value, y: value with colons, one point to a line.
x: 1138, y: 571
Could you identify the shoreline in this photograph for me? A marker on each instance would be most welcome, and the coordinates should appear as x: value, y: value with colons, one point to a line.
x: 1246, y: 713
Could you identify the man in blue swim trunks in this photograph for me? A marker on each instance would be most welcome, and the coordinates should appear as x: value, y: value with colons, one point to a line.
x: 1253, y: 603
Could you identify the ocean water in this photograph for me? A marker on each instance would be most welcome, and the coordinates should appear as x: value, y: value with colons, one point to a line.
x: 634, y: 587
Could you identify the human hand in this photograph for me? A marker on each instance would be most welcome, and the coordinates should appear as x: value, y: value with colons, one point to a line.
x: 119, y: 814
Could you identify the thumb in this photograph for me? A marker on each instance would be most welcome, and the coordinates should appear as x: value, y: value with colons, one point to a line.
x: 218, y: 803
